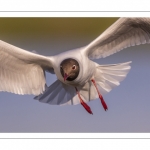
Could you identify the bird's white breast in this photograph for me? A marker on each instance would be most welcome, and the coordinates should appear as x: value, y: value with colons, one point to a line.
x: 87, y: 67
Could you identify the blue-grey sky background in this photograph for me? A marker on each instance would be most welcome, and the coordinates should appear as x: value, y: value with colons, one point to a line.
x: 128, y: 104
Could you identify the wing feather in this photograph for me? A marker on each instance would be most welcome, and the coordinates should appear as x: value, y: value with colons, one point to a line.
x: 22, y: 72
x: 125, y: 32
x: 57, y: 94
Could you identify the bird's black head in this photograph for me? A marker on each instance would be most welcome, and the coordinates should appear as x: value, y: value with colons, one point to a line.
x: 69, y: 69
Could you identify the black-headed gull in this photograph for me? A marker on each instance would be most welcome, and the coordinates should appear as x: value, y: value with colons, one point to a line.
x: 79, y: 78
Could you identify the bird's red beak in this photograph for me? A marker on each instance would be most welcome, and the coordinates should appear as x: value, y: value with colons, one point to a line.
x: 65, y: 76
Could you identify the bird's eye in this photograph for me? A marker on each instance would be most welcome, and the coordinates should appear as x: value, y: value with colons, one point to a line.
x: 60, y: 67
x: 74, y: 67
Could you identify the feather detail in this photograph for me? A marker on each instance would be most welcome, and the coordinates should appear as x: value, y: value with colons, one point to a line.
x: 125, y: 32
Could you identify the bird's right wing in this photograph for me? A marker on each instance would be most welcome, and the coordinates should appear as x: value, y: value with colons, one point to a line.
x: 22, y: 72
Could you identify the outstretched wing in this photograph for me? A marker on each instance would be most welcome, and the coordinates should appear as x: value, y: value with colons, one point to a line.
x: 22, y: 72
x: 125, y: 32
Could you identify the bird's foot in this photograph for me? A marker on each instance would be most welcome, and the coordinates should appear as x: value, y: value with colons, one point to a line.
x: 100, y: 96
x: 103, y: 102
x: 87, y: 108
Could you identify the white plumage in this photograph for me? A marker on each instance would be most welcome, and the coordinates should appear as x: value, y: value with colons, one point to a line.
x: 23, y: 72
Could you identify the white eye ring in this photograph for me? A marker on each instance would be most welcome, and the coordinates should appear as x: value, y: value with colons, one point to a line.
x: 73, y: 67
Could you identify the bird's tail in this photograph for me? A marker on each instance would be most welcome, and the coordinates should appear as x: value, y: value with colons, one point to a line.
x: 110, y: 76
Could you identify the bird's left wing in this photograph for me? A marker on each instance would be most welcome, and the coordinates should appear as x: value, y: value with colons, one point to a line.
x: 22, y: 72
x: 125, y: 32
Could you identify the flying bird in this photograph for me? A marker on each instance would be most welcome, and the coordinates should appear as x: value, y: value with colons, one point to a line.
x: 79, y: 79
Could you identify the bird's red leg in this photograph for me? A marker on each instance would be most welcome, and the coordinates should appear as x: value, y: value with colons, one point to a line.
x: 88, y: 109
x: 100, y: 96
